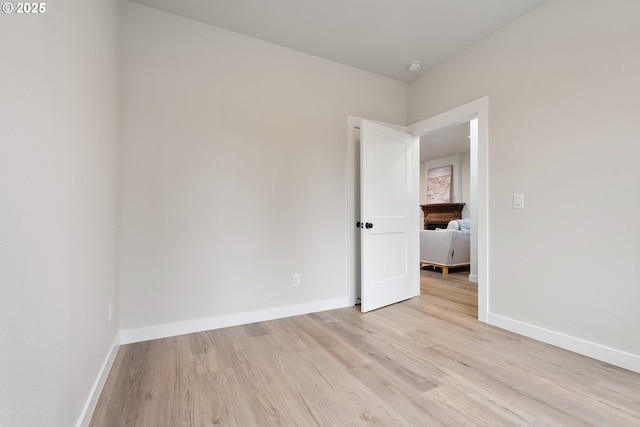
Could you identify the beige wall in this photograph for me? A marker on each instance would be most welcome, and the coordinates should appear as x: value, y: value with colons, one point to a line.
x: 563, y: 88
x: 234, y: 170
x: 59, y: 127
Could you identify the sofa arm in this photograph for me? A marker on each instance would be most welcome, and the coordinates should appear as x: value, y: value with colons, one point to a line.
x: 461, y: 249
x: 436, y: 246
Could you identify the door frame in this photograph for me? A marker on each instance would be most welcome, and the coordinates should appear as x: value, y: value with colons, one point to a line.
x: 479, y: 109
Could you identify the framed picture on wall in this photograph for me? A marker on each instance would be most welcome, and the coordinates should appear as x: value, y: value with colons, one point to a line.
x: 439, y: 184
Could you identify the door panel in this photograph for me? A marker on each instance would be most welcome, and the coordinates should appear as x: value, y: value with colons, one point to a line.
x: 387, y: 205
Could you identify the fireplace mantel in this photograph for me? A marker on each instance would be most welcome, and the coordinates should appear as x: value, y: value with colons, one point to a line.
x: 438, y: 215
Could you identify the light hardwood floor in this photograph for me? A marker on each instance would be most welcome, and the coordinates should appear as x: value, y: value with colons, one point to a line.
x: 423, y: 362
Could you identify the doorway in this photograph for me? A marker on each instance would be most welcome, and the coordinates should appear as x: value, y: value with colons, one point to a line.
x: 479, y: 109
x: 450, y: 147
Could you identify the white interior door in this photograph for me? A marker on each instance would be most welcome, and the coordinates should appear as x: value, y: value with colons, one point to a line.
x: 389, y: 204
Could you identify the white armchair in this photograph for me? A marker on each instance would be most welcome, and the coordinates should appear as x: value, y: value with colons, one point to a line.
x: 446, y: 248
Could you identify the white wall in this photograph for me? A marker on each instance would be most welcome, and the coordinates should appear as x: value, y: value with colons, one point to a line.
x: 460, y: 185
x: 465, y: 184
x: 59, y: 127
x: 562, y: 83
x: 234, y: 170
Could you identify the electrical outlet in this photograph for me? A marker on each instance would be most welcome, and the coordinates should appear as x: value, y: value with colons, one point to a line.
x: 110, y: 312
x: 295, y: 281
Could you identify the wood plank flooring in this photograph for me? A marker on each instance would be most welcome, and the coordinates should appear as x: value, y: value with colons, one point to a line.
x: 423, y: 362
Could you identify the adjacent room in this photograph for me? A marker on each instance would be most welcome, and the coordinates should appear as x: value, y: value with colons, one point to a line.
x: 185, y: 232
x: 448, y: 199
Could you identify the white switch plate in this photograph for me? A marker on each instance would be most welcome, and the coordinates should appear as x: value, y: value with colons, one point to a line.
x: 518, y: 201
x: 295, y: 281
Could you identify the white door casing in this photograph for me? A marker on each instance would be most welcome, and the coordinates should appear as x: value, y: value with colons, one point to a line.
x: 389, y: 202
x: 479, y: 109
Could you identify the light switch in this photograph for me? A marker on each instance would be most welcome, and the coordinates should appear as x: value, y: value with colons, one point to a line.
x: 518, y: 201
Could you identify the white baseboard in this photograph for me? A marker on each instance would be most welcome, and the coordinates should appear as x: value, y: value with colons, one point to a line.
x: 128, y: 336
x: 473, y: 278
x: 595, y: 351
x: 98, y: 385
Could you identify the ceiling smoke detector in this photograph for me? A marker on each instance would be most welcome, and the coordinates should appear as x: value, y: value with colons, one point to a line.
x: 415, y: 66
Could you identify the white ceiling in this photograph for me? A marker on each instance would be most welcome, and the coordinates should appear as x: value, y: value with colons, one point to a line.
x: 445, y: 142
x: 381, y: 36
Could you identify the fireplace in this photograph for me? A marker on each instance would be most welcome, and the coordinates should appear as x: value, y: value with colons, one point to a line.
x: 438, y: 215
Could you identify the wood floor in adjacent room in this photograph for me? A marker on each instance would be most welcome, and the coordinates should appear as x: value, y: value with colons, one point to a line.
x: 423, y: 362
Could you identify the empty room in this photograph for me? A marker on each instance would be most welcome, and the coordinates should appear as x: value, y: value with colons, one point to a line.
x: 213, y: 212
